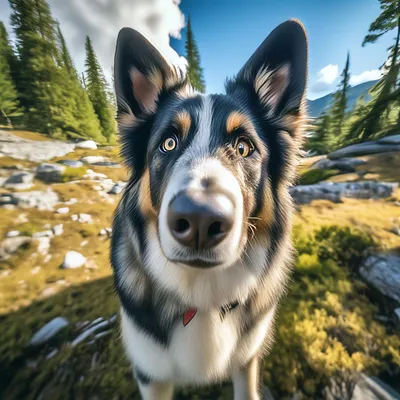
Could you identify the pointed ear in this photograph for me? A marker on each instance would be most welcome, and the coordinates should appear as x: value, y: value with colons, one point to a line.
x: 277, y: 71
x: 141, y: 73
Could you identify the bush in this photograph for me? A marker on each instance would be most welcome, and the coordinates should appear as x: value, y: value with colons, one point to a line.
x: 73, y: 174
x: 313, y: 176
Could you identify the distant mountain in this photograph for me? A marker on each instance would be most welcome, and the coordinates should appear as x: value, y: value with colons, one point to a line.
x: 317, y: 106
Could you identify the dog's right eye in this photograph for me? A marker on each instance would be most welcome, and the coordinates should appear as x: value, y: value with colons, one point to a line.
x: 169, y: 144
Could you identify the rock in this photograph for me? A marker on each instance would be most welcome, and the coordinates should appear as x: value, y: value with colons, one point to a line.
x: 19, y: 181
x: 105, y: 232
x: 304, y: 194
x: 117, y: 188
x: 372, y: 388
x: 47, y: 292
x: 58, y: 229
x: 107, y: 164
x: 48, y: 233
x: 12, y: 234
x: 344, y: 164
x: 49, y: 331
x: 92, y: 328
x: 94, y: 176
x: 87, y: 144
x: 93, y: 159
x: 22, y: 219
x: 50, y: 173
x: 71, y: 163
x: 62, y: 210
x: 73, y: 259
x: 10, y: 246
x: 82, y: 218
x: 42, y: 200
x: 70, y: 202
x: 383, y: 272
x: 362, y: 149
x: 35, y: 270
x: 394, y: 139
x: 32, y: 150
x: 43, y: 245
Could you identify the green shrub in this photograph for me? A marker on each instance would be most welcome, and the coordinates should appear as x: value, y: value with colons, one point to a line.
x: 73, y: 174
x: 317, y: 175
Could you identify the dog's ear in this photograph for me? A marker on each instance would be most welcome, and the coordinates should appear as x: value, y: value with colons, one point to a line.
x: 277, y: 71
x: 141, y: 73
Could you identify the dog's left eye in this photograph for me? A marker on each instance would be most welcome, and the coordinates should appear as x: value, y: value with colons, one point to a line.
x: 169, y: 144
x: 244, y: 148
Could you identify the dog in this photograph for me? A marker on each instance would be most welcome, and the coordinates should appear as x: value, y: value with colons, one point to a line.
x: 201, y: 247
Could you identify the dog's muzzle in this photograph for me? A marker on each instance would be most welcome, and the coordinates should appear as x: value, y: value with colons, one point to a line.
x: 200, y: 221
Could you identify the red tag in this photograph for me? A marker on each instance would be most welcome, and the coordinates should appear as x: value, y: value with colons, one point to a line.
x: 189, y: 315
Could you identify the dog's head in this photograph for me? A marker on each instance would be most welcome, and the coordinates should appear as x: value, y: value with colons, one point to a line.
x: 209, y: 173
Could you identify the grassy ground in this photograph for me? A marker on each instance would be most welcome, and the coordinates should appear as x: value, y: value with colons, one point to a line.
x: 327, y: 324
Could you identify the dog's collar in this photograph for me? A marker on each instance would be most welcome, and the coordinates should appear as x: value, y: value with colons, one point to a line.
x: 191, y: 312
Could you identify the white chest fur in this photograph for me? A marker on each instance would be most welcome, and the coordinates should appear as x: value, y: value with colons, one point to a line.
x: 206, y: 350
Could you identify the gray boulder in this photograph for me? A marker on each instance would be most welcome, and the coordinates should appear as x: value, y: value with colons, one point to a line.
x: 71, y: 163
x: 12, y: 234
x: 117, y: 188
x: 394, y: 139
x: 363, y: 149
x: 11, y: 245
x: 111, y: 164
x: 50, y: 172
x: 304, y: 194
x: 344, y: 164
x: 19, y: 177
x: 48, y: 331
x: 383, y: 272
x: 42, y: 200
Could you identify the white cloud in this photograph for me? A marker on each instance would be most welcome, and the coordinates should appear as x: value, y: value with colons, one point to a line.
x: 365, y: 76
x: 325, y: 78
x: 158, y: 20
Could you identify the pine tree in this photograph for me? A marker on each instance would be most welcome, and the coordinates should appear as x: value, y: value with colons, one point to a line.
x: 87, y: 123
x: 318, y: 141
x: 97, y: 89
x: 338, y: 110
x: 195, y: 72
x: 9, y: 106
x: 373, y: 123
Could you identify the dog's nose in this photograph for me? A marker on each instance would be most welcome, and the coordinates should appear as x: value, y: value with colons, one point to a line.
x: 200, y: 222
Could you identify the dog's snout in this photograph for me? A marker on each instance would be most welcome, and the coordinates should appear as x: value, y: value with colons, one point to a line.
x: 202, y: 221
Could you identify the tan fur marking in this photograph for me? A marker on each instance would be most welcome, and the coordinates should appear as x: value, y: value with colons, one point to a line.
x: 183, y: 121
x: 237, y: 120
x: 144, y: 196
x: 126, y: 120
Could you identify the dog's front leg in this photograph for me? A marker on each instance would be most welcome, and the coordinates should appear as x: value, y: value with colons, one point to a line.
x: 245, y: 381
x: 156, y: 390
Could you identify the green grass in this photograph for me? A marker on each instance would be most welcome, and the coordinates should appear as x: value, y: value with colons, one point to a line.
x: 73, y: 174
x: 310, y: 177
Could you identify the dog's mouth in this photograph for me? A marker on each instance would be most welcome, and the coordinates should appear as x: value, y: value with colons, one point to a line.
x: 197, y: 263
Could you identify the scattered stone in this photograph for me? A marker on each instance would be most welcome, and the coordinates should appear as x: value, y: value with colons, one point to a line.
x: 111, y: 164
x: 102, y: 232
x: 35, y: 270
x: 19, y: 181
x: 93, y: 159
x: 44, y: 245
x: 383, y: 272
x: 87, y: 144
x: 48, y: 233
x: 344, y: 164
x: 84, y: 243
x: 73, y: 260
x: 82, y: 218
x: 12, y: 234
x: 50, y: 173
x: 22, y: 219
x: 58, y: 229
x: 70, y: 202
x: 105, y: 232
x: 11, y: 245
x: 5, y: 273
x: 48, y: 331
x: 71, y: 163
x: 334, y: 191
x: 94, y: 176
x: 62, y: 210
x: 117, y: 188
x: 42, y: 200
x: 32, y: 150
x: 47, y: 258
x: 47, y: 292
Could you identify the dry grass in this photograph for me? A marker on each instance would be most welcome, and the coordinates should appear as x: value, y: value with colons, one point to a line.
x: 30, y: 135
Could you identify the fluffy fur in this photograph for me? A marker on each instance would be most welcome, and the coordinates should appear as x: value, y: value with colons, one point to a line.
x: 234, y: 286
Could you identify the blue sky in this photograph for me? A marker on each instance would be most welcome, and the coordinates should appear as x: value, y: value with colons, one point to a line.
x: 228, y: 31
